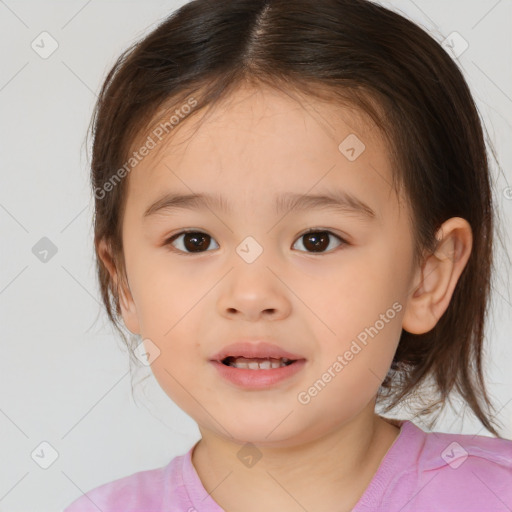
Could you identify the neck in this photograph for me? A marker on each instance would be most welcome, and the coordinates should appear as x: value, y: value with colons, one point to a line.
x: 337, y: 466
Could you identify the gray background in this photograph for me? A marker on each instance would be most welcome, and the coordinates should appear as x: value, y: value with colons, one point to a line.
x: 64, y: 375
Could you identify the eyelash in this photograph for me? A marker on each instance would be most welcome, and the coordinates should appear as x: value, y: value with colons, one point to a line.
x: 171, y: 239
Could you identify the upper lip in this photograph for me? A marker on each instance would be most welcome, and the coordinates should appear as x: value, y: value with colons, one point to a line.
x: 257, y: 349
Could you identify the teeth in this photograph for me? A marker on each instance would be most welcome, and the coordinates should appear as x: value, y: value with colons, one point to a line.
x: 260, y: 364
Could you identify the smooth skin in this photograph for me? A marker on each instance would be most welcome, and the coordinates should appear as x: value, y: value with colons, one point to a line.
x: 254, y: 146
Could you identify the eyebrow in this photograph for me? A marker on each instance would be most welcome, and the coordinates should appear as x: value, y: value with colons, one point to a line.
x: 335, y: 200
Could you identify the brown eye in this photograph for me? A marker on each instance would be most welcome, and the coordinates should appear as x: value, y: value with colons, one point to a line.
x: 192, y: 242
x: 318, y: 241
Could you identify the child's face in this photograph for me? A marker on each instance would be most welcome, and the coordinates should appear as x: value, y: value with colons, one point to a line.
x: 314, y: 304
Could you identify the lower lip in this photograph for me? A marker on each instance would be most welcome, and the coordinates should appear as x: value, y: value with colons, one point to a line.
x: 258, y: 379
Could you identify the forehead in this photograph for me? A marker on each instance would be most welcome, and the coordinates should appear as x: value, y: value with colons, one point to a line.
x: 259, y: 140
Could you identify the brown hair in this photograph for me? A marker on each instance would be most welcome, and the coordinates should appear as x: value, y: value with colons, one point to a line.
x: 353, y: 52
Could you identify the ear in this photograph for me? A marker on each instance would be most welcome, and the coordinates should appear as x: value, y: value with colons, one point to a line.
x: 128, y: 309
x: 435, y: 281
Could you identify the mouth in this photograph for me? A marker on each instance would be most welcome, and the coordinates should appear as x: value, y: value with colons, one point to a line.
x: 255, y: 356
x: 258, y: 373
x: 257, y: 363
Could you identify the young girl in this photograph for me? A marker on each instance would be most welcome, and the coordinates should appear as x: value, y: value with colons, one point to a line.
x: 293, y: 215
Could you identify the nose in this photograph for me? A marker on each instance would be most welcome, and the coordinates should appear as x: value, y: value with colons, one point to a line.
x: 254, y: 293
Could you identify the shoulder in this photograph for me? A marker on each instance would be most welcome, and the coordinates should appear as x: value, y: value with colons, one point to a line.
x: 458, y: 472
x: 144, y: 490
x: 466, y: 452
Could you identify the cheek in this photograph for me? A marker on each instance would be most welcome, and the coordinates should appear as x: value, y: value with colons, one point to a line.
x: 174, y: 378
x: 362, y: 308
x: 168, y: 301
x: 179, y: 363
x: 355, y: 292
x: 163, y: 294
x: 359, y: 362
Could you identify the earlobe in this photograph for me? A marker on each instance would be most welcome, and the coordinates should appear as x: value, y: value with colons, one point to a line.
x: 435, y: 281
x: 126, y: 303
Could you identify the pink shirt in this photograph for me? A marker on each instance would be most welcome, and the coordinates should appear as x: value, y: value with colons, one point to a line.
x: 420, y: 472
